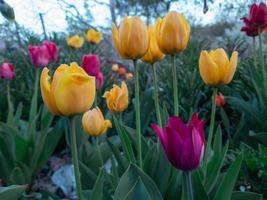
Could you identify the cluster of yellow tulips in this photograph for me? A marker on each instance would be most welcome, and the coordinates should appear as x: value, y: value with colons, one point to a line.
x: 92, y: 36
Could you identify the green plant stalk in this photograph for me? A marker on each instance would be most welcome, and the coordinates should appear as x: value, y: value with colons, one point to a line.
x: 74, y: 153
x: 9, y: 104
x: 98, y: 150
x: 156, y: 94
x: 211, y: 129
x: 262, y: 63
x: 175, y: 88
x: 188, y: 185
x: 137, y: 116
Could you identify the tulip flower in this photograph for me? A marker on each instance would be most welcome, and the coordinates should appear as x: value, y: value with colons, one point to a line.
x: 219, y: 100
x: 115, y: 67
x: 122, y: 71
x: 75, y: 41
x: 183, y: 144
x: 91, y: 64
x: 129, y: 76
x: 93, y: 36
x: 216, y: 68
x: 39, y: 55
x: 7, y: 71
x: 131, y: 40
x: 99, y: 80
x: 117, y: 98
x: 154, y: 53
x: 173, y: 32
x: 71, y: 91
x: 256, y: 22
x: 52, y: 50
x: 94, y: 123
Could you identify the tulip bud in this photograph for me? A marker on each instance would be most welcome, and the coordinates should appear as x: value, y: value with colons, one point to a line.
x: 99, y: 80
x: 183, y: 144
x: 115, y: 67
x: 215, y: 67
x: 154, y: 53
x: 7, y: 71
x: 71, y: 91
x: 117, y: 98
x: 93, y: 36
x: 94, y: 123
x: 7, y: 11
x: 75, y: 41
x: 129, y: 76
x: 122, y: 71
x: 52, y: 50
x: 173, y: 32
x: 220, y: 101
x: 91, y: 64
x: 39, y: 55
x: 131, y: 40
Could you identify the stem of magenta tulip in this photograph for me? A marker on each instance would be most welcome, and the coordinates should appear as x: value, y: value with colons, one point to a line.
x: 211, y: 128
x: 188, y: 186
x: 156, y: 94
x: 175, y: 88
x: 75, y: 160
x: 137, y: 115
x: 8, y: 96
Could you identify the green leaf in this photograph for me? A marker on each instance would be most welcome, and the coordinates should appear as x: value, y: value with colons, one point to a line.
x: 199, y: 190
x: 17, y: 176
x: 129, y: 179
x: 260, y: 137
x: 225, y: 120
x: 97, y: 192
x: 13, y: 192
x: 226, y: 187
x: 88, y: 176
x: 246, y: 196
x: 138, y: 191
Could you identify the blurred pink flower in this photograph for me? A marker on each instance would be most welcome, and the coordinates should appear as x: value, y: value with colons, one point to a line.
x: 52, y: 50
x: 91, y: 64
x: 99, y: 80
x: 7, y: 71
x: 39, y: 55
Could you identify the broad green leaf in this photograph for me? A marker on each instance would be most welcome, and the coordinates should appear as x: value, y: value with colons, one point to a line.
x: 97, y: 192
x: 246, y: 196
x: 12, y: 192
x: 88, y: 177
x: 17, y: 176
x: 198, y: 188
x: 226, y: 187
x: 138, y: 191
x: 260, y: 137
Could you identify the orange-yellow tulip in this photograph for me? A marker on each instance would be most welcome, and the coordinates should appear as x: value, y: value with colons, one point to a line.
x: 173, y: 32
x: 131, y: 40
x: 216, y: 68
x: 94, y: 123
x: 93, y: 36
x: 71, y: 91
x: 129, y: 76
x: 117, y: 98
x: 75, y: 41
x: 153, y: 54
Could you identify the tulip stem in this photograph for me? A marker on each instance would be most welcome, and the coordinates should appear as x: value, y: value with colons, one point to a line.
x: 74, y: 153
x: 98, y: 150
x: 262, y: 62
x: 211, y: 129
x: 188, y: 186
x: 175, y: 88
x: 8, y: 96
x: 137, y: 115
x: 156, y: 94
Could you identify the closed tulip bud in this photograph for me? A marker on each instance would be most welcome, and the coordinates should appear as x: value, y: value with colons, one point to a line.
x: 117, y: 98
x: 219, y: 100
x: 173, y: 32
x: 70, y: 91
x: 52, y: 50
x: 216, y: 68
x: 183, y: 144
x: 129, y: 76
x: 93, y: 36
x: 7, y: 71
x: 115, y: 67
x: 94, y: 123
x: 131, y: 40
x: 99, y: 78
x: 122, y: 71
x: 39, y: 55
x: 91, y: 64
x: 75, y: 41
x: 153, y: 54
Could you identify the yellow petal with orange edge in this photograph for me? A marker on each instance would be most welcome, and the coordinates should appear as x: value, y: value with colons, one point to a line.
x: 232, y: 67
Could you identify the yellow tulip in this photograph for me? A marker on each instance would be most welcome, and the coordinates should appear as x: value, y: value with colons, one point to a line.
x: 216, y: 68
x: 75, y: 41
x: 71, y: 91
x: 129, y: 76
x: 131, y: 40
x: 173, y: 32
x: 115, y: 67
x: 154, y: 53
x: 93, y: 36
x: 117, y: 98
x: 94, y: 123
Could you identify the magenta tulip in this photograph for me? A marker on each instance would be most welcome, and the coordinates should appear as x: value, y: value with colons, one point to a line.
x: 183, y: 144
x: 39, y: 55
x: 91, y: 64
x: 7, y: 71
x: 99, y: 78
x: 52, y: 50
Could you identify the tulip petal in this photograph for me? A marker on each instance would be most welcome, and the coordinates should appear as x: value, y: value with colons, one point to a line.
x: 231, y: 68
x: 122, y: 99
x: 208, y: 69
x: 47, y: 93
x: 115, y: 39
x: 221, y: 59
x: 187, y: 31
x: 57, y: 75
x: 161, y: 135
x: 198, y: 147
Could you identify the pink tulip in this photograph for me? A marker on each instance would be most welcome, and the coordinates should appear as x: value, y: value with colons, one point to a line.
x: 39, y: 55
x: 7, y: 71
x: 91, y: 64
x: 99, y: 80
x: 183, y: 144
x: 52, y: 50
